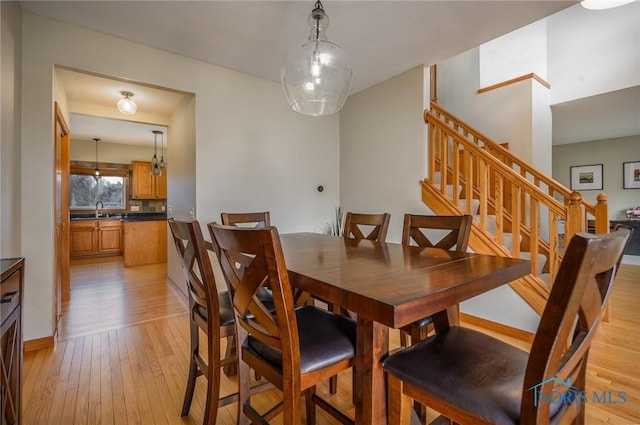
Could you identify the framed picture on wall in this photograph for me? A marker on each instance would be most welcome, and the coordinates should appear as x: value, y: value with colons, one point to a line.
x: 586, y: 177
x: 631, y: 175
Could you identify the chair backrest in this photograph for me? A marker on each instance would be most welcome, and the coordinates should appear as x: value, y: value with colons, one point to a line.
x: 252, y: 259
x: 198, y: 272
x: 374, y: 225
x: 250, y: 219
x: 458, y: 227
x: 560, y: 349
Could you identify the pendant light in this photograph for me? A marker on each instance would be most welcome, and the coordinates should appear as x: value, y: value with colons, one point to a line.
x: 316, y: 76
x: 96, y: 171
x: 126, y: 105
x: 603, y: 4
x: 162, y: 164
x: 156, y: 171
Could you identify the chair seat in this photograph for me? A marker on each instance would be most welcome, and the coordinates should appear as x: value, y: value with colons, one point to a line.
x: 445, y: 366
x: 325, y: 339
x: 226, y: 309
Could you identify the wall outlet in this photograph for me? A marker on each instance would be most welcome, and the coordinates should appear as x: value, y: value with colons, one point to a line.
x: 170, y: 210
x: 163, y: 208
x: 192, y: 213
x: 135, y: 208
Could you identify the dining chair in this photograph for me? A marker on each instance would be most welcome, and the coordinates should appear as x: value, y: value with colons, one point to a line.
x: 450, y: 232
x: 247, y: 219
x: 471, y: 377
x: 293, y: 348
x: 209, y: 311
x: 366, y: 226
x: 250, y: 219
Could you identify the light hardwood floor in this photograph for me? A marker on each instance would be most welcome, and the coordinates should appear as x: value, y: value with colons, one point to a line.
x: 122, y: 355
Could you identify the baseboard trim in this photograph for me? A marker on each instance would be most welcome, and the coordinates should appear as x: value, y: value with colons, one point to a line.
x: 183, y: 297
x: 39, y: 343
x: 500, y: 328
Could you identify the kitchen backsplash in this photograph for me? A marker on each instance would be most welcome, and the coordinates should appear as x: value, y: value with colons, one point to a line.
x: 147, y: 206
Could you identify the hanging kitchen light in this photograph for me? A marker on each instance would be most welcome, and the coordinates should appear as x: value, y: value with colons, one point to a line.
x: 126, y: 105
x: 162, y: 164
x: 156, y: 171
x: 96, y: 171
x: 316, y: 76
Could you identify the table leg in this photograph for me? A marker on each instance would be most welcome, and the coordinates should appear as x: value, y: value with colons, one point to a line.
x: 370, y: 388
x: 446, y: 318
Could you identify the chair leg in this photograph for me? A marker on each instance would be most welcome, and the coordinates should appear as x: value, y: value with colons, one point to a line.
x: 333, y: 384
x: 191, y: 385
x: 421, y: 411
x: 244, y: 381
x: 232, y: 350
x: 403, y: 338
x: 398, y: 409
x: 193, y: 369
x: 310, y: 405
x: 213, y: 372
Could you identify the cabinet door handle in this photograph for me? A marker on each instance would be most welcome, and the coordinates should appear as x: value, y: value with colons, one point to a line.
x: 8, y: 297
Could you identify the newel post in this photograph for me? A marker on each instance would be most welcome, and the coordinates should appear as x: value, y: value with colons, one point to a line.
x: 575, y: 217
x: 602, y: 214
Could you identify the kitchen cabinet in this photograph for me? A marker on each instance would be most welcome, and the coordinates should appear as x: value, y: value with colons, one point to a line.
x: 95, y: 237
x: 11, y: 340
x: 145, y: 242
x: 82, y: 238
x: 109, y: 236
x: 146, y: 186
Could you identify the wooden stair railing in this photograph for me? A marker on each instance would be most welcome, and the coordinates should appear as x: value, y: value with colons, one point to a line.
x: 521, y: 201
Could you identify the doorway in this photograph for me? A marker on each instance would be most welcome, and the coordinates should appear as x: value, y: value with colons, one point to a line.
x: 94, y: 98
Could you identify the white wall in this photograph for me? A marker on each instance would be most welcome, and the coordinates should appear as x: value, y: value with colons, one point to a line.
x: 10, y: 80
x: 504, y: 114
x: 252, y: 152
x: 383, y: 149
x: 518, y: 53
x: 611, y: 154
x: 181, y: 185
x: 601, y: 59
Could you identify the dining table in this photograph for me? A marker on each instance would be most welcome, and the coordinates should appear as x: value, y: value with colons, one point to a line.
x: 388, y: 286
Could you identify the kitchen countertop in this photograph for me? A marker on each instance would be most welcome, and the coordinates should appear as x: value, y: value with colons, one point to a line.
x: 124, y: 217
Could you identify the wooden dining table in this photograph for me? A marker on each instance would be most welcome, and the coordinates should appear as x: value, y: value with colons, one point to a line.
x: 389, y: 285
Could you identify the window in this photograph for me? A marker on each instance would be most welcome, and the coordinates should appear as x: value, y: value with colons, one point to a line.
x: 85, y: 192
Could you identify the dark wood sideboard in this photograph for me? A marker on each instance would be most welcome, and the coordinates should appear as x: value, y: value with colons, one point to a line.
x: 11, y: 340
x: 633, y: 247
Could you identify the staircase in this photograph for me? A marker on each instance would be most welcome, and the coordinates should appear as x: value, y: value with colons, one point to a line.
x: 518, y: 211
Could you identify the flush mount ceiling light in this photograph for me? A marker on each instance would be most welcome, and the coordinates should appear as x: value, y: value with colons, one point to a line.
x: 156, y: 171
x: 316, y: 76
x: 603, y: 4
x: 126, y: 105
x: 96, y: 171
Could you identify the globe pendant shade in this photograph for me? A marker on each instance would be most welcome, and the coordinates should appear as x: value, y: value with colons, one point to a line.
x: 316, y: 87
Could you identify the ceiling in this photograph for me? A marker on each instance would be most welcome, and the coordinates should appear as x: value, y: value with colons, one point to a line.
x: 109, y: 130
x: 382, y: 38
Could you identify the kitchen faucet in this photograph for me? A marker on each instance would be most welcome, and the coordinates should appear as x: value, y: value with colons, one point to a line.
x: 101, y: 205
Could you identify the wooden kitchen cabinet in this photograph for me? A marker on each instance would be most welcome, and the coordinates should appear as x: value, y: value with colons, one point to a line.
x: 146, y: 186
x: 82, y: 238
x: 11, y: 340
x: 95, y: 237
x: 109, y: 236
x: 145, y: 242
